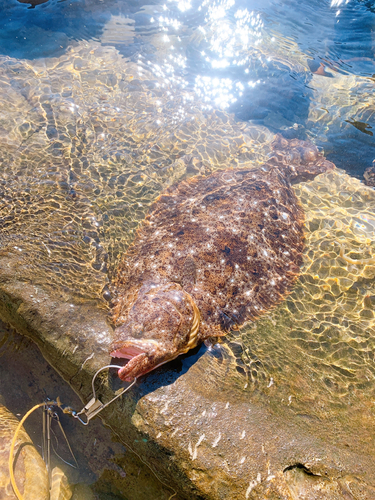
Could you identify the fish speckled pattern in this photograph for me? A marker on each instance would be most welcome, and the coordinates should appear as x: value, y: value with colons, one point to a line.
x: 213, y: 253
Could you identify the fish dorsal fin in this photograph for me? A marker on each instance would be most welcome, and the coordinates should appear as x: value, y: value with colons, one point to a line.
x: 189, y: 272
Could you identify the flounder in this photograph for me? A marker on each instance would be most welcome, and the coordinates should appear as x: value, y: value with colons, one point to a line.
x: 213, y: 253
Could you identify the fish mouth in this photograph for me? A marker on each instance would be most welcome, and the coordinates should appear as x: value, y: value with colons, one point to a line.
x: 127, y: 352
x: 131, y: 348
x: 137, y: 353
x: 144, y: 355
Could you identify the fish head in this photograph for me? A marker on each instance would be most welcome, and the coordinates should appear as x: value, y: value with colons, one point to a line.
x: 162, y: 324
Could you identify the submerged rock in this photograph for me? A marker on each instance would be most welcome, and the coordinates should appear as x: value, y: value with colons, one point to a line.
x: 282, y: 407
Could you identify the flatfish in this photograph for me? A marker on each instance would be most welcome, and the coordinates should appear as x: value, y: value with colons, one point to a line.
x: 213, y: 253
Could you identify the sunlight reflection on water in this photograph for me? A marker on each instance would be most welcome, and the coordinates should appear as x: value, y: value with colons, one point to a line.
x: 226, y: 40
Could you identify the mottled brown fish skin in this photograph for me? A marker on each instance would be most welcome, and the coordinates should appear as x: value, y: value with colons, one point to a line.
x: 213, y: 253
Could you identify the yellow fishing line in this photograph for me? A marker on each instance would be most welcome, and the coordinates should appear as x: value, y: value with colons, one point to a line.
x: 11, y: 473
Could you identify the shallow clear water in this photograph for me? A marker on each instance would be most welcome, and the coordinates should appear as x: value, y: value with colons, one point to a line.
x: 253, y: 58
x: 305, y: 69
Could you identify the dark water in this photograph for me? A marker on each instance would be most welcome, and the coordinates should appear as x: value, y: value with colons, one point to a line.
x: 257, y: 59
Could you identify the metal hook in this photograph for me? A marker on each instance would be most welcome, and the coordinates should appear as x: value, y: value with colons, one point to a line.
x: 94, y: 406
